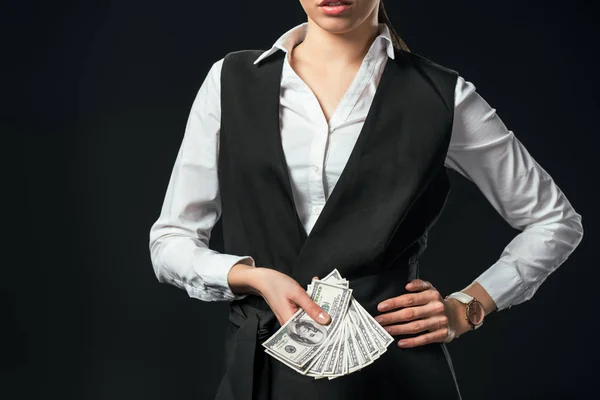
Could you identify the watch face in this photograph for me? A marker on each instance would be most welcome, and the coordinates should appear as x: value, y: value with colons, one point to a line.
x: 476, y: 313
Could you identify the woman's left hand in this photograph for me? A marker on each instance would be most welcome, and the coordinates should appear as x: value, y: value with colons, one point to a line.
x: 424, y: 310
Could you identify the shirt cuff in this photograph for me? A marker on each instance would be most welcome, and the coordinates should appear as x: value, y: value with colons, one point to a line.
x: 215, y: 275
x: 503, y: 284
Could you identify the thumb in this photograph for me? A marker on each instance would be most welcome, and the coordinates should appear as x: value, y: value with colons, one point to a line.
x: 311, y: 308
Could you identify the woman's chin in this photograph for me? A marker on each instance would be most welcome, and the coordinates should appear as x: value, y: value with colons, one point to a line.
x: 336, y: 25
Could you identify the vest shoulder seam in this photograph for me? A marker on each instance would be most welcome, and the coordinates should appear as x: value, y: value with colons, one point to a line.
x: 244, y: 53
x: 428, y: 62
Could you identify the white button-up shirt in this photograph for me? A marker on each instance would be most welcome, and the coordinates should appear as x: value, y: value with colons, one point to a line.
x: 482, y: 149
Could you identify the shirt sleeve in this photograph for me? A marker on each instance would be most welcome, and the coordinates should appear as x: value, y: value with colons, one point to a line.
x: 484, y: 151
x: 179, y: 238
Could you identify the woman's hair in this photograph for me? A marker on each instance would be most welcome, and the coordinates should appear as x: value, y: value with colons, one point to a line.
x: 396, y: 39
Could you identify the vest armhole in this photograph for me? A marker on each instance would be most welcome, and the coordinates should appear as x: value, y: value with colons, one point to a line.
x: 441, y: 78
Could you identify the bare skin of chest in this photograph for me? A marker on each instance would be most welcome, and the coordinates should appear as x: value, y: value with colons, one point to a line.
x: 328, y: 84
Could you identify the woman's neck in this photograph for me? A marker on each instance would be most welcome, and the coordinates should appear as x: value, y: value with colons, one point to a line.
x: 323, y: 48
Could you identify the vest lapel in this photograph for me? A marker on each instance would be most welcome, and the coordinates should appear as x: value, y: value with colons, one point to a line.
x: 349, y: 174
x: 273, y: 130
x: 379, y: 117
x: 387, y: 138
x: 339, y: 202
x: 271, y: 76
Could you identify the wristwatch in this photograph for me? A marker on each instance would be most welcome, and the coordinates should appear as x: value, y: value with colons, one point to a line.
x: 475, y: 311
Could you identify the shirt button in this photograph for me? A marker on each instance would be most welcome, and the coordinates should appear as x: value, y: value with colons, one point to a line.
x: 317, y: 209
x: 316, y: 168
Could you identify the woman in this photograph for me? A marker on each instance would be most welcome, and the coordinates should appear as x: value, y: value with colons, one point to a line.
x: 329, y: 150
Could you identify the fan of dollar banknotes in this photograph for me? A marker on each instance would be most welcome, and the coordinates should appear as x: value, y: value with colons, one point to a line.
x: 350, y: 342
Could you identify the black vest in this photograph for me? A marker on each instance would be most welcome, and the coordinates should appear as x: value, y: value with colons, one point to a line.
x: 373, y: 227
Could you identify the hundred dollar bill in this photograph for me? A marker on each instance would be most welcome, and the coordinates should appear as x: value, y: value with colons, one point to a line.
x: 329, y: 367
x: 326, y: 361
x: 362, y: 353
x: 346, y: 362
x: 353, y: 358
x: 381, y: 333
x: 362, y: 329
x: 368, y: 331
x: 377, y: 341
x: 316, y: 366
x: 284, y: 361
x: 338, y: 369
x: 301, y: 338
x: 335, y: 278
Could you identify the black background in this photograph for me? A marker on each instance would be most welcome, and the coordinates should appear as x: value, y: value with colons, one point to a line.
x: 99, y: 92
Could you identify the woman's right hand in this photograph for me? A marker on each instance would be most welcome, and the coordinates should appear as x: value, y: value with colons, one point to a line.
x: 282, y: 293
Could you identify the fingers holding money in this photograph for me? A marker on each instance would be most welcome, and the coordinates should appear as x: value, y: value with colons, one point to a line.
x: 351, y: 341
x: 285, y: 297
x: 295, y: 299
x: 301, y: 298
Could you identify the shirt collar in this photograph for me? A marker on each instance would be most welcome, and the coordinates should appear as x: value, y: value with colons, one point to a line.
x: 292, y: 37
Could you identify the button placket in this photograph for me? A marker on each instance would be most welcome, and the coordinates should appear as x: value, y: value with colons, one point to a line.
x: 316, y: 159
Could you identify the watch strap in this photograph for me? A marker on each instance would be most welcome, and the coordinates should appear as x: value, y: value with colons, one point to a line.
x: 461, y: 296
x: 465, y: 299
